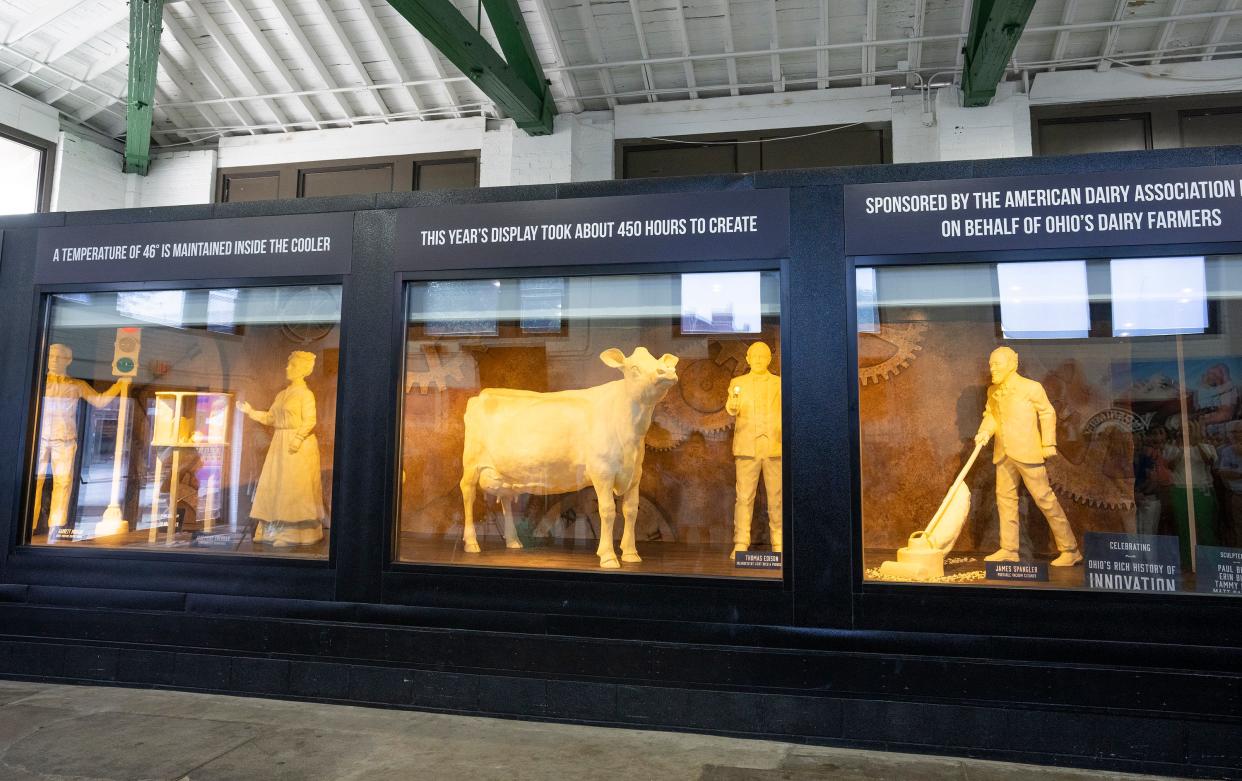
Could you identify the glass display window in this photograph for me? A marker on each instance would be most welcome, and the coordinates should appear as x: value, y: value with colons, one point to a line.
x: 624, y: 423
x: 197, y: 420
x: 1061, y: 424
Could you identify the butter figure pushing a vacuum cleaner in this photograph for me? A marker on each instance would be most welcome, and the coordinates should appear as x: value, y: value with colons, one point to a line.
x: 1022, y: 423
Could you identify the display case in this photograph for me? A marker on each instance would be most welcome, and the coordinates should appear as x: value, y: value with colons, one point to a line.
x: 625, y: 422
x: 150, y: 381
x: 1067, y: 424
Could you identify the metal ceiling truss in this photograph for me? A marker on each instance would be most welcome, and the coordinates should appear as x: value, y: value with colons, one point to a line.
x: 515, y: 83
x: 145, y: 22
x: 995, y: 27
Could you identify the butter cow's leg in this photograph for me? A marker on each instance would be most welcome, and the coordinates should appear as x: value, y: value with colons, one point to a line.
x: 629, y: 511
x: 607, y: 521
x: 506, y: 507
x: 469, y: 483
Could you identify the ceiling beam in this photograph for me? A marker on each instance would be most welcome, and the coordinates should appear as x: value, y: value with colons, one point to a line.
x: 205, y: 67
x: 680, y: 19
x: 726, y: 19
x: 307, y: 52
x: 390, y: 51
x: 1110, y: 37
x: 822, y: 58
x: 868, y: 52
x: 1062, y: 39
x: 145, y: 22
x: 1166, y: 31
x: 591, y: 30
x: 63, y: 46
x: 995, y: 27
x: 774, y: 43
x: 568, y: 83
x: 648, y: 76
x: 508, y: 87
x: 914, y: 52
x: 1218, y: 28
x: 376, y: 99
x: 49, y: 11
x: 235, y: 58
x: 277, y: 62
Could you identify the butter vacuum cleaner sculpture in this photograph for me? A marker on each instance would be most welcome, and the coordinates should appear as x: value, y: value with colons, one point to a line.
x: 524, y: 442
x: 1023, y: 422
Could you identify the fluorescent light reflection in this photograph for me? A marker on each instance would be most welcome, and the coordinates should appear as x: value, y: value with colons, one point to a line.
x: 726, y: 302
x: 1044, y: 300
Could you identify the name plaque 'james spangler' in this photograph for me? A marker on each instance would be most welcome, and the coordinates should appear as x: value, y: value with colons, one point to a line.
x: 288, y: 245
x: 732, y: 225
x: 1100, y: 209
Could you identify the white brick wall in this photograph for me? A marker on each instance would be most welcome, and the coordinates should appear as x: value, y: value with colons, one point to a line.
x: 176, y: 178
x: 579, y: 149
x: 87, y: 176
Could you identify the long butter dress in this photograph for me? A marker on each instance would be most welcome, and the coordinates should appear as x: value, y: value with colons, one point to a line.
x: 288, y: 502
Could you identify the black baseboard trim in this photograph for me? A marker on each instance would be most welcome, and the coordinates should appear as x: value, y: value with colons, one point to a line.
x: 1144, y: 742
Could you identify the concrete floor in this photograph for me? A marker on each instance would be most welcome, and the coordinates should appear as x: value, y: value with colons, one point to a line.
x: 82, y: 732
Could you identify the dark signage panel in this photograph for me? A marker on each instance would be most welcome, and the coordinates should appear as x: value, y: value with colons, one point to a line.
x: 292, y: 245
x: 739, y: 225
x: 1218, y: 570
x: 1131, y: 562
x: 1171, y: 206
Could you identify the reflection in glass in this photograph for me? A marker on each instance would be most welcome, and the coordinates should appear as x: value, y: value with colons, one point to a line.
x: 137, y: 441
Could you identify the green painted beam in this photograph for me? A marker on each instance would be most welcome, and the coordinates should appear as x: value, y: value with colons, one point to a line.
x: 145, y: 25
x: 995, y: 27
x: 517, y: 86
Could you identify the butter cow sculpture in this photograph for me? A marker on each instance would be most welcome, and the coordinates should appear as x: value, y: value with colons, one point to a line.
x: 524, y: 442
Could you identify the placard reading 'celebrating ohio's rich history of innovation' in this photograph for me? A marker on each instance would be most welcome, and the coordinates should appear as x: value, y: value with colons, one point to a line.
x: 289, y: 245
x: 1131, y: 562
x: 735, y: 225
x: 1097, y: 209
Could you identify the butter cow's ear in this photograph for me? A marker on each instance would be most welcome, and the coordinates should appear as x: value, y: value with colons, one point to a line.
x: 613, y: 357
x: 668, y: 359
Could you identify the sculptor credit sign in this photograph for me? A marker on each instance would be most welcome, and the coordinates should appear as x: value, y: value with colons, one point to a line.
x: 297, y: 245
x: 1039, y: 212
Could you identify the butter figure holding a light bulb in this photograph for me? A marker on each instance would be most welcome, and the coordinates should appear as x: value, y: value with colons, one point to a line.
x: 755, y: 400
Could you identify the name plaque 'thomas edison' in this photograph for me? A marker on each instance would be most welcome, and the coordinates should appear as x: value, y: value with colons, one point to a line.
x: 289, y: 245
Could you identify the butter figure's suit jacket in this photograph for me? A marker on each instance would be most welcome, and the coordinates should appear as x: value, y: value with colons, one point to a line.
x: 1022, y: 420
x: 758, y: 411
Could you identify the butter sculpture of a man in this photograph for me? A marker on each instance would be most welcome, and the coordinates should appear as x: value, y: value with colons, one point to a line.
x: 58, y: 432
x: 1023, y: 422
x: 755, y: 400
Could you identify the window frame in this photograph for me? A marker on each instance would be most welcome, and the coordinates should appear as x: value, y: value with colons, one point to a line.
x: 984, y: 608
x: 130, y: 568
x: 764, y: 601
x: 47, y: 163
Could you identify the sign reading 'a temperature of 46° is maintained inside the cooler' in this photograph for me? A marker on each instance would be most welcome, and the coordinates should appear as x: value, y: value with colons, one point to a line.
x: 1043, y: 212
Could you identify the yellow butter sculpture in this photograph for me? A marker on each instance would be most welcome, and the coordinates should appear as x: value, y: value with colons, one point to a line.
x: 288, y: 502
x: 755, y: 400
x: 523, y: 442
x: 1024, y: 424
